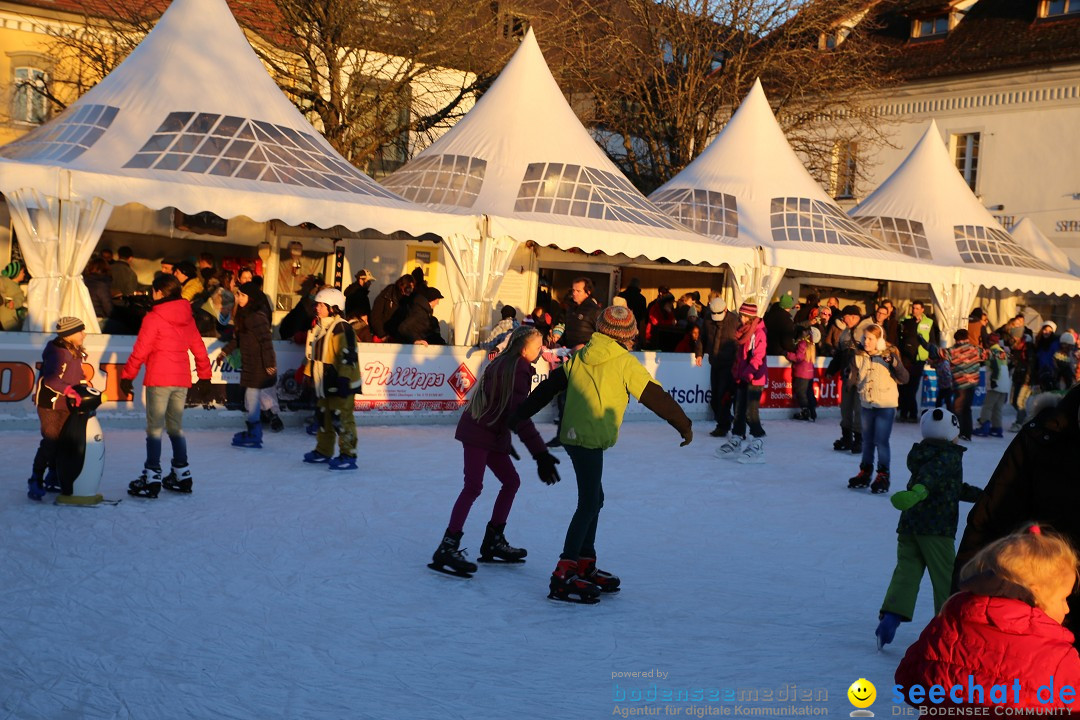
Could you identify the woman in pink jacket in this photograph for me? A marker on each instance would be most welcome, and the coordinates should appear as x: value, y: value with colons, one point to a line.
x: 167, y: 338
x: 750, y: 373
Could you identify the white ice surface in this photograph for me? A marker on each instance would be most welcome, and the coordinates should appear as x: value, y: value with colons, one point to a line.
x: 283, y: 590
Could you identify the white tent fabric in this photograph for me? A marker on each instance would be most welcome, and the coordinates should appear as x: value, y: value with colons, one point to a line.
x: 750, y: 185
x: 1028, y: 236
x: 522, y: 158
x: 192, y: 120
x: 479, y: 264
x: 57, y: 237
x: 926, y: 209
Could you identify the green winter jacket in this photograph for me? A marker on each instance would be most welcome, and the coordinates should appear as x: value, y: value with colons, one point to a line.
x: 600, y: 376
x: 937, y: 465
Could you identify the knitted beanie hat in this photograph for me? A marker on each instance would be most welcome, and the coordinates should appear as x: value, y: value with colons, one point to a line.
x: 11, y: 270
x: 939, y: 424
x: 748, y: 308
x: 69, y: 326
x: 787, y: 302
x: 617, y: 323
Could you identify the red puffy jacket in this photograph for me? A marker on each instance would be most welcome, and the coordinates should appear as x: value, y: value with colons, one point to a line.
x: 167, y: 334
x: 997, y: 641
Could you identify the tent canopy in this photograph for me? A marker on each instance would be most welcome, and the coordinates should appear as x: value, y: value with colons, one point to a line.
x: 522, y: 157
x: 750, y: 185
x: 926, y: 209
x: 192, y: 120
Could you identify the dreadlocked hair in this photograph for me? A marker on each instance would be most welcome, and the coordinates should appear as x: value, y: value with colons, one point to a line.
x: 496, y: 386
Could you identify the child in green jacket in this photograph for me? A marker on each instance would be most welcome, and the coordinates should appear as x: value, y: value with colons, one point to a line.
x: 926, y: 534
x: 598, y: 380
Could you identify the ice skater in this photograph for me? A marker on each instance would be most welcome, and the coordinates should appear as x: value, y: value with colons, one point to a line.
x: 926, y: 534
x: 597, y: 380
x: 485, y: 438
x: 61, y: 371
x: 334, y: 369
x: 258, y: 362
x: 166, y: 337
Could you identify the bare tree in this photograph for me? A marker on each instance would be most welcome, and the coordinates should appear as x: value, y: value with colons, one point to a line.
x: 657, y: 79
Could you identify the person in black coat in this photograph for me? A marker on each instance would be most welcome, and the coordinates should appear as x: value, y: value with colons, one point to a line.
x: 780, y: 326
x: 357, y: 302
x: 580, y: 316
x: 258, y: 362
x: 99, y: 284
x: 419, y: 326
x: 1035, y: 481
x: 391, y: 307
x: 635, y: 300
x: 719, y: 333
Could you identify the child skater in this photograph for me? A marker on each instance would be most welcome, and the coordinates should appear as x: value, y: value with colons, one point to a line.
x: 1003, y: 627
x: 334, y: 369
x: 61, y: 371
x: 258, y: 362
x: 803, y: 371
x: 597, y: 380
x: 926, y: 535
x: 485, y: 437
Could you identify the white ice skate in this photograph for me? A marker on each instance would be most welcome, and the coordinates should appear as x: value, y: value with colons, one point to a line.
x: 753, y: 453
x: 730, y: 449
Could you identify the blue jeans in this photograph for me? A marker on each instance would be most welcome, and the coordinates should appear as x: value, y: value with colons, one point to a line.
x: 165, y: 411
x: 876, y: 428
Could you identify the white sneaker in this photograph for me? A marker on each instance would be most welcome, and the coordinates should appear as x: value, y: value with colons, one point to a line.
x: 730, y: 449
x: 753, y: 453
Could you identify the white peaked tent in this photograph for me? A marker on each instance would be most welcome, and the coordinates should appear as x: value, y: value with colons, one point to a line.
x: 926, y: 209
x: 749, y: 184
x: 191, y: 120
x: 522, y: 158
x: 1028, y: 236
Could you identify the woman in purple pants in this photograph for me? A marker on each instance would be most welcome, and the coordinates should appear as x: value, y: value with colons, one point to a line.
x: 485, y: 437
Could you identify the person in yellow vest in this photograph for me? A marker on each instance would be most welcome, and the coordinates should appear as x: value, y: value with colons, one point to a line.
x: 598, y: 380
x: 334, y: 369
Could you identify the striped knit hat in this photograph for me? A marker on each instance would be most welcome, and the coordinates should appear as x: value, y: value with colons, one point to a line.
x: 618, y: 323
x: 748, y: 308
x: 69, y: 326
x: 12, y: 269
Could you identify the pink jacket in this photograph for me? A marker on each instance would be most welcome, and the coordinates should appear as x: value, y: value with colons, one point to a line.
x: 750, y: 360
x: 800, y: 367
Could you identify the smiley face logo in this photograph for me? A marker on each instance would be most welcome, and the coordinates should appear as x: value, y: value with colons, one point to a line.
x: 862, y: 693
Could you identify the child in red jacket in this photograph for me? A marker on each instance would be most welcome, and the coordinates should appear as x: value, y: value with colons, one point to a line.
x: 1003, y: 629
x: 485, y: 438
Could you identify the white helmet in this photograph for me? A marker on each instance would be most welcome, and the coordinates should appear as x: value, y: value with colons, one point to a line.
x: 331, y: 297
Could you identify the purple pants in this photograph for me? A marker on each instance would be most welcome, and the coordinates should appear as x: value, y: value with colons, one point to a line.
x: 476, y: 460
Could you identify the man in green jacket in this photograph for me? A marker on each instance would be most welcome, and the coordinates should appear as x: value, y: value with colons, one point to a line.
x: 598, y: 380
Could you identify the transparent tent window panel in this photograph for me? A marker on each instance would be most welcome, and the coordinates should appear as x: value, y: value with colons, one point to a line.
x: 813, y: 221
x: 246, y: 149
x: 990, y: 246
x: 705, y: 211
x: 65, y: 138
x: 580, y: 191
x: 440, y: 179
x: 900, y: 234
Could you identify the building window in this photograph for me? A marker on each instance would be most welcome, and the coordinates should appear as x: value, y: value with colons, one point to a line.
x: 1057, y: 8
x: 833, y: 38
x: 930, y: 27
x: 845, y: 168
x: 966, y: 155
x: 509, y: 23
x: 28, y: 102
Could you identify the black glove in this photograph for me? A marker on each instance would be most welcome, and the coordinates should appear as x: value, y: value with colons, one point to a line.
x: 204, y: 385
x: 514, y: 452
x: 545, y: 467
x: 687, y: 436
x: 344, y: 386
x: 127, y: 388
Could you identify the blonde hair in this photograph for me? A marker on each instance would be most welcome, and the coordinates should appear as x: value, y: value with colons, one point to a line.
x: 811, y: 350
x: 1031, y: 558
x: 501, y: 372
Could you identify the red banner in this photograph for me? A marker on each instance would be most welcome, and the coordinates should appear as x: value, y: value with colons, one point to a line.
x: 778, y: 391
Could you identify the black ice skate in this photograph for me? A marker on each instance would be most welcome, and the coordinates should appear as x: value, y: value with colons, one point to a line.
x: 178, y: 480
x: 586, y: 568
x: 844, y: 443
x: 147, y: 485
x: 495, y: 549
x: 449, y: 559
x: 881, y: 482
x: 566, y: 586
x: 862, y: 480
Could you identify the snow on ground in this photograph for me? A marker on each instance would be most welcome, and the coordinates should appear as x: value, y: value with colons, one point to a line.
x: 282, y: 590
